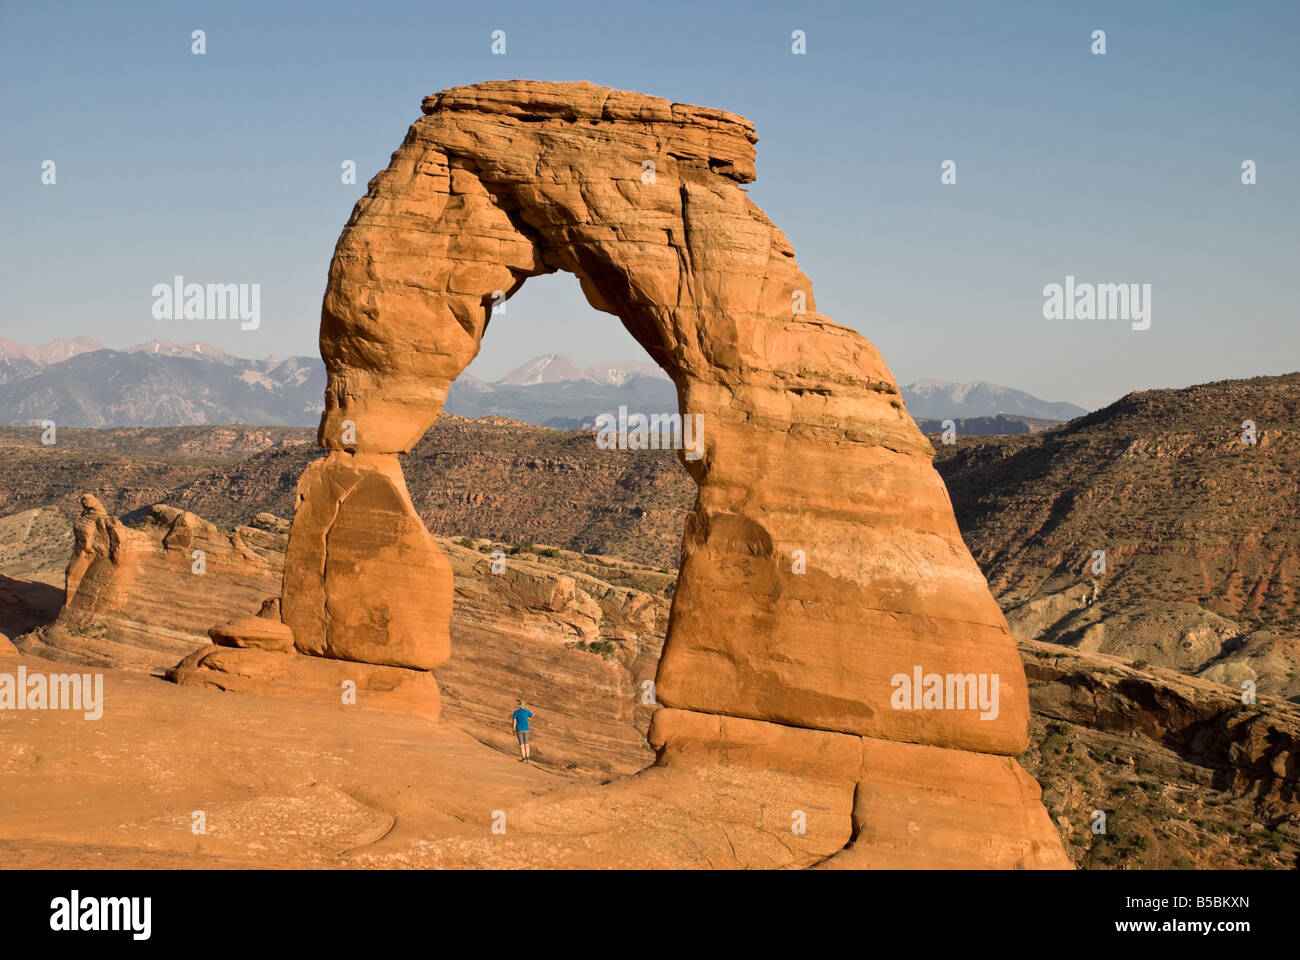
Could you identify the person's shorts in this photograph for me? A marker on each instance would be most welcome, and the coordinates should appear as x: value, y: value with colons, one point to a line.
x: 522, y: 735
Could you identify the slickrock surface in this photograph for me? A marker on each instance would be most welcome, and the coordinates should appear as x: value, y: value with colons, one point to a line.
x: 258, y: 632
x: 287, y: 783
x: 807, y: 454
x: 552, y: 630
x: 927, y: 807
x: 135, y: 597
x: 294, y: 676
x: 516, y: 635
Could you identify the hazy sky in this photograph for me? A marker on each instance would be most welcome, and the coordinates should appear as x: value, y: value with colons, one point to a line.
x: 1122, y: 168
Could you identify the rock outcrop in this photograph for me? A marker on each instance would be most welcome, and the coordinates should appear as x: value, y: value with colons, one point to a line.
x: 364, y: 579
x: 255, y: 633
x: 289, y: 675
x: 1187, y: 774
x: 822, y: 560
x: 144, y: 597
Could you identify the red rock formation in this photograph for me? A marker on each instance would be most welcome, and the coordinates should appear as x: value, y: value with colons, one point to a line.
x: 364, y: 579
x: 289, y: 675
x: 144, y: 597
x: 260, y: 633
x: 807, y: 454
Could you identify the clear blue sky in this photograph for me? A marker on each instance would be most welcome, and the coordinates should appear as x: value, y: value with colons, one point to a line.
x: 1117, y: 168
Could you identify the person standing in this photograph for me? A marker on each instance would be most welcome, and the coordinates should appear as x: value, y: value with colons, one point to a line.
x: 519, y: 723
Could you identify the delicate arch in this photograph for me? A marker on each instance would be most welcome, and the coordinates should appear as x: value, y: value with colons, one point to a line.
x: 807, y: 446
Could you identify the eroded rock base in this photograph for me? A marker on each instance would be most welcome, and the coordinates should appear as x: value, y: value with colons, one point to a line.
x: 294, y: 676
x: 911, y: 805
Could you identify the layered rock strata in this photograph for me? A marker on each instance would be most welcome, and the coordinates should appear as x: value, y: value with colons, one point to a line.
x: 822, y: 568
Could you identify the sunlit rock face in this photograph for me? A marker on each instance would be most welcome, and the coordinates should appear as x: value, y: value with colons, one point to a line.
x: 822, y: 565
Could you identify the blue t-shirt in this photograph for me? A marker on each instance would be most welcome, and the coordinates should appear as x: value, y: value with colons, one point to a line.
x: 521, y: 718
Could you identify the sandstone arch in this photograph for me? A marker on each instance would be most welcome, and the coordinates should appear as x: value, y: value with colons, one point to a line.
x: 807, y: 445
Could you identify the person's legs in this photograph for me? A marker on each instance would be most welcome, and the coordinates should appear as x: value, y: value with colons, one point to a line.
x: 521, y: 736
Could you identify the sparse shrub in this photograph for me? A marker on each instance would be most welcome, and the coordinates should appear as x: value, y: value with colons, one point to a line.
x: 548, y: 552
x: 1056, y: 741
x: 605, y: 648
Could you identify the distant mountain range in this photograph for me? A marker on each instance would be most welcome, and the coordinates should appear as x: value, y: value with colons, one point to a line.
x: 553, y: 368
x: 80, y: 383
x: 77, y: 382
x: 939, y: 399
x: 553, y: 391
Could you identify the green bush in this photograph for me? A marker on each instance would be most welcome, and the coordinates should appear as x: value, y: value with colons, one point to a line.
x: 605, y: 648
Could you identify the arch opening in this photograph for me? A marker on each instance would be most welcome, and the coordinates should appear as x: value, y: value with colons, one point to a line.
x: 566, y: 605
x: 808, y: 452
